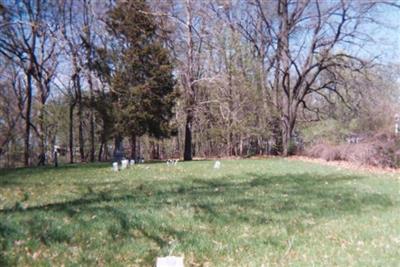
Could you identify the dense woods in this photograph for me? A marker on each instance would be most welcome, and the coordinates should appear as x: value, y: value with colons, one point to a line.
x: 182, y: 79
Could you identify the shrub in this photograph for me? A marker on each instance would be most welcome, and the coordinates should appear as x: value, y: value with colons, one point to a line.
x: 381, y: 150
x: 324, y: 151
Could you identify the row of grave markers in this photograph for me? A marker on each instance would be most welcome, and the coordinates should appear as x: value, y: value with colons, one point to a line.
x: 172, y: 162
x: 125, y: 163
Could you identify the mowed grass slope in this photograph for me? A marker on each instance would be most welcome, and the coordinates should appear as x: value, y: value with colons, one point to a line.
x: 273, y: 212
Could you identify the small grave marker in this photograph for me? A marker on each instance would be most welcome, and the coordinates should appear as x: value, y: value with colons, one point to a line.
x: 115, y: 166
x: 173, y: 162
x: 124, y: 164
x: 170, y: 261
x: 217, y: 164
x: 132, y: 162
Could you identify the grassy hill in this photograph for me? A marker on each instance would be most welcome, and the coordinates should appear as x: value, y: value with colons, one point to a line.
x: 273, y: 212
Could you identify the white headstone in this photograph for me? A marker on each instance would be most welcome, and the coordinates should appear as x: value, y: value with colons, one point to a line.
x: 170, y: 261
x: 124, y: 164
x: 115, y: 166
x: 217, y: 164
x: 132, y: 162
x: 176, y: 162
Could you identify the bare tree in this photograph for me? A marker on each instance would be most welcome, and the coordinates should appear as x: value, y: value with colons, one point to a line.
x: 12, y: 101
x: 20, y: 43
x: 87, y: 38
x: 73, y: 22
x: 311, y: 40
x: 301, y: 42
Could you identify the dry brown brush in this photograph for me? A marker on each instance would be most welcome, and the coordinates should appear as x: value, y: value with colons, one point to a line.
x: 381, y: 150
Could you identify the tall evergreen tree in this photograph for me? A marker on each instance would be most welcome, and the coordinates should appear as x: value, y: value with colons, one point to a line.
x: 141, y: 81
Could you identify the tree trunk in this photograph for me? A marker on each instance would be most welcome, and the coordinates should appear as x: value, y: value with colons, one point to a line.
x: 78, y: 94
x: 118, y: 143
x: 92, y: 137
x: 87, y: 22
x: 71, y: 133
x: 190, y: 92
x: 28, y: 118
x: 287, y: 138
x: 100, y: 151
x: 178, y: 146
x: 153, y: 150
x: 241, y: 146
x: 188, y: 136
x: 42, y: 134
x: 163, y: 149
x: 43, y: 91
x: 106, y: 152
x: 276, y: 146
x: 80, y: 127
x: 138, y: 152
x: 118, y: 154
x: 158, y: 150
x: 91, y: 119
x: 284, y: 57
x: 55, y: 158
x: 133, y: 147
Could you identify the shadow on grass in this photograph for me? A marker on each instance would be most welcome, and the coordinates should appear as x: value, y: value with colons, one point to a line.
x: 285, y: 200
x: 20, y: 176
x: 311, y: 194
x: 63, y: 166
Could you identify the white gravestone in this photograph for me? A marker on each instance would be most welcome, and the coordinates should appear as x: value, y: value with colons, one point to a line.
x: 170, y: 261
x: 173, y: 162
x: 124, y: 164
x: 132, y: 162
x: 217, y: 164
x: 115, y: 166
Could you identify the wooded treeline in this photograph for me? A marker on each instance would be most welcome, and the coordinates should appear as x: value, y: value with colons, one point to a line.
x: 185, y: 78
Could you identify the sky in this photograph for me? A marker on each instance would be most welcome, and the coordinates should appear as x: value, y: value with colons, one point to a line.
x: 387, y: 36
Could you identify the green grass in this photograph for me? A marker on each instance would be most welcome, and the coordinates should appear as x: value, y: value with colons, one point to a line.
x: 272, y: 212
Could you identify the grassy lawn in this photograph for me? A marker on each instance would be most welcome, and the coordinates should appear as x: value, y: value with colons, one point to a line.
x: 273, y: 212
